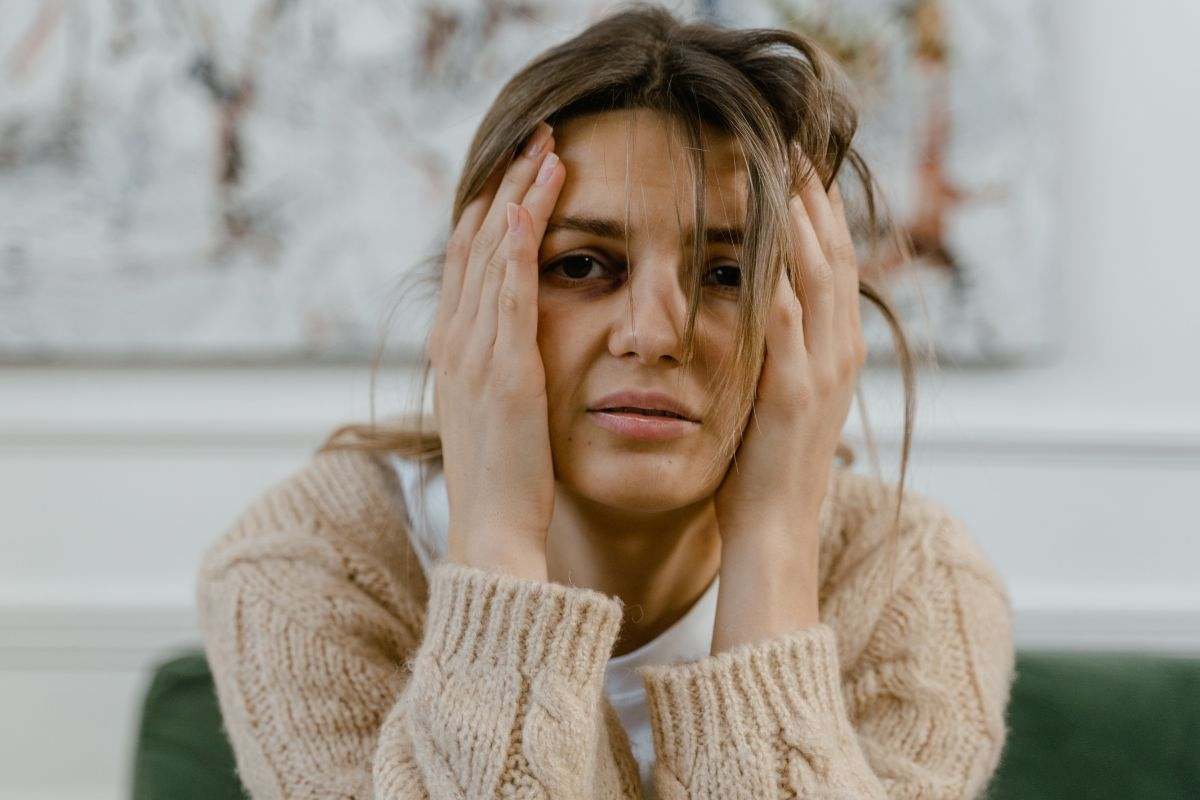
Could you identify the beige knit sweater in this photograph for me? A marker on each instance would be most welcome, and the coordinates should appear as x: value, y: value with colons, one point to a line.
x: 343, y: 671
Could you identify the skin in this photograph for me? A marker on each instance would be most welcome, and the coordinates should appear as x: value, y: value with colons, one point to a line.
x: 522, y: 345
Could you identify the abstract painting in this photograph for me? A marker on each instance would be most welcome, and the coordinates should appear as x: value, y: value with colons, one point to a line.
x: 249, y: 180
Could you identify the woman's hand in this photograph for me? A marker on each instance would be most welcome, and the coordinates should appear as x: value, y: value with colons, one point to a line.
x: 490, y: 385
x: 769, y: 504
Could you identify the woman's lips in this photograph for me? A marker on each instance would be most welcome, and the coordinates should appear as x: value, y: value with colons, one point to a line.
x: 642, y: 426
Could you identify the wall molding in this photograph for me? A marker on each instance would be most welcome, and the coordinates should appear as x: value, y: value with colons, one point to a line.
x: 1174, y: 631
x: 1158, y: 447
x: 1036, y: 444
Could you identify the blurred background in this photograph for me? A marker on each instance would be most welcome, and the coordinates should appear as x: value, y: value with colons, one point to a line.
x: 206, y: 208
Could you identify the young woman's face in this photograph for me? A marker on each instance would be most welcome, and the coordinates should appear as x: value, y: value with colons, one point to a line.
x: 611, y: 317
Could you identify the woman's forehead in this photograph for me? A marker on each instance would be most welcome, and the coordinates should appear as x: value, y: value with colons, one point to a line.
x: 637, y: 159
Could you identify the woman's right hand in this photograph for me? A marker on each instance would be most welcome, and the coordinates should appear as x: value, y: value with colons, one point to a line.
x: 490, y: 384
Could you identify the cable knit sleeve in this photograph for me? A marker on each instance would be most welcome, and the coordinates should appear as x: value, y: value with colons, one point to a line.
x: 324, y: 694
x: 917, y: 713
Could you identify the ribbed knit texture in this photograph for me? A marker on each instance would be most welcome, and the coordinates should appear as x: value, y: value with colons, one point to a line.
x: 343, y: 671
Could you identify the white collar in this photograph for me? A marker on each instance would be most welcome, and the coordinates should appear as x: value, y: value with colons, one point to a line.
x: 688, y: 639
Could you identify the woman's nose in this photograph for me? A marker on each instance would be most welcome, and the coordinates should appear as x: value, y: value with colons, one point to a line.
x: 650, y: 314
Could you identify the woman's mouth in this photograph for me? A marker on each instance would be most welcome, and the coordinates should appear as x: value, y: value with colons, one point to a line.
x: 643, y: 424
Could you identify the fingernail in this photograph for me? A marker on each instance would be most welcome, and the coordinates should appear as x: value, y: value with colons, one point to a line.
x: 538, y: 139
x: 514, y: 218
x: 548, y: 165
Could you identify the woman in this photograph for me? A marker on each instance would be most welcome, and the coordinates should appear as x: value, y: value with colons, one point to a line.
x: 653, y: 580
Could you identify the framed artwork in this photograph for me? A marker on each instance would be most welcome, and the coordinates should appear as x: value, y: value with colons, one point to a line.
x: 248, y: 180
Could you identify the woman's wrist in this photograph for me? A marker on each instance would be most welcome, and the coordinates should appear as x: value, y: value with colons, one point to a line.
x: 768, y: 588
x: 521, y: 555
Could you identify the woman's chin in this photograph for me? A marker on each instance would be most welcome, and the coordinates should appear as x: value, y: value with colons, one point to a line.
x: 635, y: 481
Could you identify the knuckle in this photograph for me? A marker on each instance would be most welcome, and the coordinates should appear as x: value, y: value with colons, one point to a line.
x: 791, y: 313
x: 471, y: 365
x: 513, y: 246
x: 505, y: 381
x: 788, y: 319
x: 516, y: 176
x: 860, y: 351
x: 495, y: 268
x: 457, y: 248
x: 824, y: 380
x: 483, y: 244
x: 822, y: 274
x: 844, y: 252
x: 802, y: 396
x: 835, y: 197
x: 509, y: 301
x: 847, y: 367
x: 450, y: 353
x: 449, y: 363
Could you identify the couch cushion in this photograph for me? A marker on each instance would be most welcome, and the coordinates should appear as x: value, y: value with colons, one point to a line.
x: 182, y: 752
x: 1102, y: 725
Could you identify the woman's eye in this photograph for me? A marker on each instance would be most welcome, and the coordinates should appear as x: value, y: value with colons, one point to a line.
x: 574, y: 268
x: 728, y: 276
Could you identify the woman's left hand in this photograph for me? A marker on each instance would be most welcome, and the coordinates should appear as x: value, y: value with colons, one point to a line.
x: 768, y: 505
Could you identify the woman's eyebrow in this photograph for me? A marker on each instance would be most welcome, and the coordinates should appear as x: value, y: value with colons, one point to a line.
x: 608, y: 228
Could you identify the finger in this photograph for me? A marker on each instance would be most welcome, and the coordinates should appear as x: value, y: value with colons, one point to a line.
x: 458, y: 247
x: 844, y: 246
x: 513, y: 186
x: 820, y: 213
x: 508, y: 254
x: 516, y: 307
x: 816, y: 285
x: 843, y: 242
x: 827, y: 213
x: 785, y: 340
x: 539, y: 201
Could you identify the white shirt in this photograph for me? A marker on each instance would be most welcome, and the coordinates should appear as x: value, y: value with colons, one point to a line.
x: 689, y: 639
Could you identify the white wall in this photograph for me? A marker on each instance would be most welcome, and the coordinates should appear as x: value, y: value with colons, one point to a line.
x: 1077, y: 476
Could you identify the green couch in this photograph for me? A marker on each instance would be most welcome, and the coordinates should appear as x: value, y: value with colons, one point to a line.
x: 1083, y: 726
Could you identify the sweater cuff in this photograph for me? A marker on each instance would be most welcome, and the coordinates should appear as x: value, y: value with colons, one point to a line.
x: 782, y: 686
x: 483, y: 618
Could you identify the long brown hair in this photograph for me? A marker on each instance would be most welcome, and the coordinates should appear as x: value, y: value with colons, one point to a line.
x: 777, y: 93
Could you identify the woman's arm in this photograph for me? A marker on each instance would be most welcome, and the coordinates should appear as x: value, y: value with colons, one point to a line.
x: 918, y: 713
x: 326, y: 693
